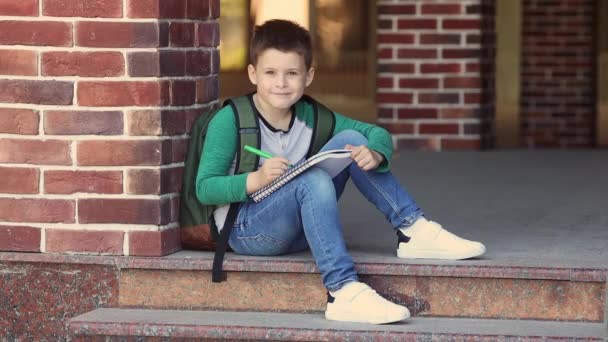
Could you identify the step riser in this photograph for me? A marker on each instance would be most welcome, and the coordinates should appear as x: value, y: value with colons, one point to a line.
x: 264, y: 335
x: 424, y: 296
x: 179, y: 324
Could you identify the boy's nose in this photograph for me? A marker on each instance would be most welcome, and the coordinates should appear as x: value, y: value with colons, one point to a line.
x: 281, y: 82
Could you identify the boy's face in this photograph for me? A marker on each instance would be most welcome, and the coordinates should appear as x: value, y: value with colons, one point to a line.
x: 280, y: 78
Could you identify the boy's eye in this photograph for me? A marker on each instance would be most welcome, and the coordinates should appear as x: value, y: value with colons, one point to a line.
x: 292, y: 73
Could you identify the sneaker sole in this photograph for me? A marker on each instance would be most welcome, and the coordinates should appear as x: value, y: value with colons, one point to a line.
x: 434, y: 254
x: 348, y: 317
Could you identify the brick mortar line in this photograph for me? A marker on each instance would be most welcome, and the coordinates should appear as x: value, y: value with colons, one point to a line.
x: 439, y: 47
x: 399, y: 89
x: 387, y: 105
x: 39, y: 107
x: 40, y: 124
x: 39, y: 62
x: 430, y: 105
x: 93, y: 167
x: 437, y: 120
x: 437, y: 136
x: 434, y: 46
x: 91, y: 137
x: 427, y: 90
x: 417, y: 64
x: 108, y: 20
x: 103, y: 49
x: 79, y: 79
x: 73, y: 155
x: 438, y: 17
x: 434, y: 76
x: 432, y: 60
x: 417, y: 32
x: 76, y: 209
x: 126, y: 180
x: 125, y: 244
x: 74, y: 94
x: 394, y: 141
x: 87, y: 195
x: 124, y: 227
x: 42, y: 240
x: 125, y: 60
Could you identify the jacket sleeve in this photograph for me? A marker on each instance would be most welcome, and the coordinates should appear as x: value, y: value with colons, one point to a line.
x: 214, y: 184
x: 378, y: 138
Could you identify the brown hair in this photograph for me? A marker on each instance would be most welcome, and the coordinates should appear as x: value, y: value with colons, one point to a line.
x: 283, y: 35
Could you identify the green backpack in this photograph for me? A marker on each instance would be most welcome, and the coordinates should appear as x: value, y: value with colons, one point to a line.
x: 198, y: 229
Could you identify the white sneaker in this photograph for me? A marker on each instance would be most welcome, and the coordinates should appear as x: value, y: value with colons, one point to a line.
x: 357, y: 302
x: 428, y: 240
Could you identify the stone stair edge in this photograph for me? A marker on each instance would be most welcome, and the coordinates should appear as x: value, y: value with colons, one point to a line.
x: 278, y: 265
x: 312, y: 326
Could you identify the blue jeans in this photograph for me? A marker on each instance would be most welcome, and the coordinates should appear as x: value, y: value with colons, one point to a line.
x: 304, y: 213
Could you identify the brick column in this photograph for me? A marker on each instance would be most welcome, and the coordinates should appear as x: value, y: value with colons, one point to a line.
x: 435, y: 73
x: 558, y: 73
x: 96, y: 99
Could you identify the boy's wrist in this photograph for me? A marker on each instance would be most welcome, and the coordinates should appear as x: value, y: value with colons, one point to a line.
x: 379, y: 156
x: 253, y: 182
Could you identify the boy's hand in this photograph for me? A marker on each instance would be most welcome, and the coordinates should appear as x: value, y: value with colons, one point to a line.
x: 271, y: 170
x: 365, y: 158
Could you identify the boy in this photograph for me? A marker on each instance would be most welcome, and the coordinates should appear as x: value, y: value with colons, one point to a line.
x: 304, y: 214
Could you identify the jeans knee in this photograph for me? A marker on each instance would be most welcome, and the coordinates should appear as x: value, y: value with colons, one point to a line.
x: 351, y: 137
x: 317, y: 182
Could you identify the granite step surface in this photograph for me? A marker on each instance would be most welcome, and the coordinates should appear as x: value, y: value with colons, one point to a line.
x: 114, y: 324
x: 468, y: 289
x: 448, y: 289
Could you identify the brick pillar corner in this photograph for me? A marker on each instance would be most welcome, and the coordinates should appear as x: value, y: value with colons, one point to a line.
x: 94, y: 117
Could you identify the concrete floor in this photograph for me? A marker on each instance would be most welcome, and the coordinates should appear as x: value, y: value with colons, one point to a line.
x: 529, y: 208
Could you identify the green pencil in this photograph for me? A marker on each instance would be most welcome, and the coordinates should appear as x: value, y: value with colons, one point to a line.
x: 260, y: 153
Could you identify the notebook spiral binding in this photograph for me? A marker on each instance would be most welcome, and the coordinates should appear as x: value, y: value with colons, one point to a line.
x: 292, y: 173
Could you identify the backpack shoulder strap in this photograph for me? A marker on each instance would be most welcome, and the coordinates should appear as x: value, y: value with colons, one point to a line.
x: 323, y: 128
x: 248, y: 133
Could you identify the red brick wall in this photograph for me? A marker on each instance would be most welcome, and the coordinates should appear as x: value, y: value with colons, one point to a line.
x: 558, y: 103
x: 435, y: 73
x: 96, y: 98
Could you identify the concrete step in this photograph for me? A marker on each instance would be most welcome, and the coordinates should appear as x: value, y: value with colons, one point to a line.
x: 174, y: 325
x: 445, y: 289
x: 503, y: 289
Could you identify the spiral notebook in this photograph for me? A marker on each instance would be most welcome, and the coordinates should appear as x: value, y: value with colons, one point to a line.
x: 331, y: 161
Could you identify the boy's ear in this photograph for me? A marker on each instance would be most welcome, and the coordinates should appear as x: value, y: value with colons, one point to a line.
x: 310, y: 75
x: 251, y: 73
